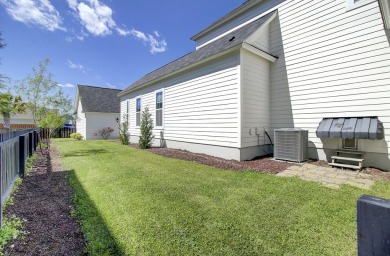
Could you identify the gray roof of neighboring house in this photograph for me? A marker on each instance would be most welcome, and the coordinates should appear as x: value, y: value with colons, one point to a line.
x: 209, y: 50
x: 98, y: 99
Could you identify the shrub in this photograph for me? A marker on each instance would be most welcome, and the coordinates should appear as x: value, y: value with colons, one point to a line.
x: 76, y: 136
x: 124, y: 134
x: 146, y: 138
x: 106, y: 132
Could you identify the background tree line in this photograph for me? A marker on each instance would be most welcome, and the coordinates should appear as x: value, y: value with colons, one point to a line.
x: 39, y: 94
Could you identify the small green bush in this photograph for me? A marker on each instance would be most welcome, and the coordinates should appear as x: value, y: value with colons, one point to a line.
x: 76, y: 136
x: 146, y: 138
x: 124, y: 134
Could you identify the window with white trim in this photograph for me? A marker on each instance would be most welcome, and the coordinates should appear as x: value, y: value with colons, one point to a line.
x: 159, y: 108
x: 128, y: 111
x: 138, y: 112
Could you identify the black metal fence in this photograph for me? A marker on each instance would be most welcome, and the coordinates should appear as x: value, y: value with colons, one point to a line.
x: 59, y: 133
x: 15, y: 148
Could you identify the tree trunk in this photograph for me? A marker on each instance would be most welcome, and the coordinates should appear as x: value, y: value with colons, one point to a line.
x: 7, y: 120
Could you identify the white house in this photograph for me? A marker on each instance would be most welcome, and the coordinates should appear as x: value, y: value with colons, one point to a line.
x: 19, y: 121
x: 273, y: 64
x: 96, y: 108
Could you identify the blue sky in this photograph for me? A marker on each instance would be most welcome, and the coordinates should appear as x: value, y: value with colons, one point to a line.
x: 107, y: 43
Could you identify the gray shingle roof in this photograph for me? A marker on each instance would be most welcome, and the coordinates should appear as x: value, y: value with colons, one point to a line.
x: 97, y: 99
x: 213, y: 48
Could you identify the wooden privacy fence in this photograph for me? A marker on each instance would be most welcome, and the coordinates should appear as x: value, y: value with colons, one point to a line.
x: 15, y: 148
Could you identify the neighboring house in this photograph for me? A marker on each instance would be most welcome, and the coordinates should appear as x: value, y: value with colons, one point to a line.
x: 97, y: 108
x: 19, y: 121
x: 276, y: 64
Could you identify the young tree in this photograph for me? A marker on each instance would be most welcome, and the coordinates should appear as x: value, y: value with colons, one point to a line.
x: 52, y: 122
x: 44, y: 95
x: 10, y: 105
x: 146, y: 138
x: 124, y: 134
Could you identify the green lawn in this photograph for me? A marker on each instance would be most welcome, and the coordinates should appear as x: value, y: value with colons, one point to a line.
x: 131, y: 202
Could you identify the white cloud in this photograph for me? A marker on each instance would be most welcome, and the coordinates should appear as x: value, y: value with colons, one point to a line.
x: 155, y: 45
x: 95, y: 16
x: 72, y: 65
x: 123, y: 32
x: 67, y: 85
x: 79, y: 36
x: 36, y: 12
x: 73, y: 4
x: 139, y: 35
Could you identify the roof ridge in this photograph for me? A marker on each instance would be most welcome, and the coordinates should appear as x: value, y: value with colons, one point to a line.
x: 98, y: 87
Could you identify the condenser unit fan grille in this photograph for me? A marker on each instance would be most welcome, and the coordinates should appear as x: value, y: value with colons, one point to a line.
x: 291, y: 144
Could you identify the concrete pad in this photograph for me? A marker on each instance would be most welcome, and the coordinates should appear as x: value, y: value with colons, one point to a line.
x: 329, y: 177
x: 364, y: 176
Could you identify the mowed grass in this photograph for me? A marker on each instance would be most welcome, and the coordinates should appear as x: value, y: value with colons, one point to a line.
x: 133, y: 202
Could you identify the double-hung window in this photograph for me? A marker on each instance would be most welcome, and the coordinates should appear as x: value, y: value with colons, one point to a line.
x: 138, y: 112
x: 127, y: 111
x: 159, y: 108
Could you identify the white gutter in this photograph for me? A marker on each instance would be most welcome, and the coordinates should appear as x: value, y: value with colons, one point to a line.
x: 259, y: 52
x: 385, y: 10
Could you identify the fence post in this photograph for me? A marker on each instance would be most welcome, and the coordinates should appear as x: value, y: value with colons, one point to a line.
x: 373, y: 221
x: 30, y: 144
x: 22, y: 156
x: 35, y: 140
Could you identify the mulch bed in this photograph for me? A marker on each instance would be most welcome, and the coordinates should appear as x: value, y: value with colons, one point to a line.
x: 44, y: 201
x: 260, y: 164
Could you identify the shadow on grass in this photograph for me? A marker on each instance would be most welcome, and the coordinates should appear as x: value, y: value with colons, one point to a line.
x: 99, y: 239
x: 86, y: 152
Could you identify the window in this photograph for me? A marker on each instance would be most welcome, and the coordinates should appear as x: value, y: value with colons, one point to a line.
x: 138, y: 112
x: 159, y: 109
x: 349, y: 143
x: 127, y: 111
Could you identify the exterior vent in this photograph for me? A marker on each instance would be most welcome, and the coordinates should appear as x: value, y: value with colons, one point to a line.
x: 291, y: 144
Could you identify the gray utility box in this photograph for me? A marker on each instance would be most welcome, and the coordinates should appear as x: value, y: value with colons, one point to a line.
x: 290, y: 144
x: 373, y: 226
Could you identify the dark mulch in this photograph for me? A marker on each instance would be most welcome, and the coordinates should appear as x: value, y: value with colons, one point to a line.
x: 261, y: 164
x: 377, y: 173
x: 44, y: 201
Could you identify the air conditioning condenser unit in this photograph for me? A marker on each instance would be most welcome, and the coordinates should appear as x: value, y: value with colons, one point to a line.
x: 291, y: 144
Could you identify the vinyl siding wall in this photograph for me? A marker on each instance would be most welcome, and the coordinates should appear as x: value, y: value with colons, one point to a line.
x: 255, y: 99
x: 99, y: 121
x: 200, y: 105
x: 81, y: 122
x: 333, y: 62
